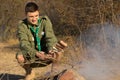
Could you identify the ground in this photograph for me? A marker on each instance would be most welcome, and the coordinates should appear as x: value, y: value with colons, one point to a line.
x: 10, y: 69
x: 96, y: 65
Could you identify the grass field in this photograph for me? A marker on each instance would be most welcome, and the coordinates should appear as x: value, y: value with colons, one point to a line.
x: 95, y: 62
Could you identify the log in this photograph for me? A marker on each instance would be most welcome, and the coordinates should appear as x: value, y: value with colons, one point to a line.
x: 69, y: 74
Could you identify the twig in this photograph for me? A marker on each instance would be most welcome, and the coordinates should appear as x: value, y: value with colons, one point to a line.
x: 7, y: 76
x: 2, y: 76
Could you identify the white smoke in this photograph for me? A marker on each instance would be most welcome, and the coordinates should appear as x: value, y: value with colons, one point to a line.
x: 102, y: 44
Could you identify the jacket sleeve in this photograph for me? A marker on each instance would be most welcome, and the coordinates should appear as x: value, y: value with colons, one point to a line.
x: 25, y: 45
x: 50, y: 36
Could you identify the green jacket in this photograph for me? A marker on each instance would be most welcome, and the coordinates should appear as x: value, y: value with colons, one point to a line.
x: 27, y: 41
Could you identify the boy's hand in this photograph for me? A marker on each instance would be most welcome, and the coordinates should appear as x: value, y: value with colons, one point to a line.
x: 41, y: 55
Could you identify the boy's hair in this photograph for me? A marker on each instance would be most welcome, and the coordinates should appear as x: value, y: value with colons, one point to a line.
x: 31, y: 7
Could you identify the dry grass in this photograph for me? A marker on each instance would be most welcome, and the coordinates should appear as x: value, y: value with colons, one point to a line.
x: 8, y: 63
x: 9, y: 68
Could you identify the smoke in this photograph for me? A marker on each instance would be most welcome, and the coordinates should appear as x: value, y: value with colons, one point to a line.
x: 102, y: 52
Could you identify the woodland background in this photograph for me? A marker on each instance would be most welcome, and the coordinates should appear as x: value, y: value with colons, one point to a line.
x: 71, y: 17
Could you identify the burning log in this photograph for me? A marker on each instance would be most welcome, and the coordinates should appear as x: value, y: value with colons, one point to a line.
x: 65, y: 75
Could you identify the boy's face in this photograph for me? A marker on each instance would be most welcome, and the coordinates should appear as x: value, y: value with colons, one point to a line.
x: 33, y: 17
